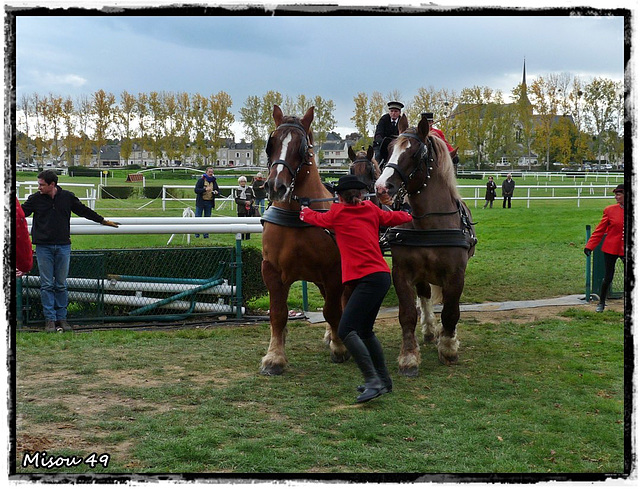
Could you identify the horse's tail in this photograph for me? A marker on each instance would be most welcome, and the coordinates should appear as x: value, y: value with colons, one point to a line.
x: 436, y: 294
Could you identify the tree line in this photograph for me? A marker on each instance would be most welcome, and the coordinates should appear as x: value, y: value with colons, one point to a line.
x: 477, y: 120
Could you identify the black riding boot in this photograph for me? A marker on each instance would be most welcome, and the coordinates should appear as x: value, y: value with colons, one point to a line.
x: 604, y: 291
x: 377, y: 358
x: 360, y: 353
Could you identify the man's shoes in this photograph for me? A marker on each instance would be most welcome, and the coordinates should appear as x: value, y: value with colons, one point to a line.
x: 600, y: 307
x: 50, y: 326
x: 62, y: 323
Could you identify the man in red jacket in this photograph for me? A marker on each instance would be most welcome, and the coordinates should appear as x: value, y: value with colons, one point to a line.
x: 612, y: 224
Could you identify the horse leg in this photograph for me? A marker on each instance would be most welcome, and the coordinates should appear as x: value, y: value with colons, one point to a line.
x: 332, y: 311
x: 428, y: 321
x: 448, y: 341
x: 409, y: 358
x: 275, y: 361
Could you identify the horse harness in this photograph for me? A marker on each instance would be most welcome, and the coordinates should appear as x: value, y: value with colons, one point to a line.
x: 462, y: 237
x: 425, y: 157
x: 305, y: 154
x: 370, y: 168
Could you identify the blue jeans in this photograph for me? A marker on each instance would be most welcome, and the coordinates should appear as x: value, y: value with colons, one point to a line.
x: 53, y: 265
x: 207, y: 206
x: 260, y: 205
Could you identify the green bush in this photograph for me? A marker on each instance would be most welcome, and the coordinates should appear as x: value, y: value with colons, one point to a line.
x: 252, y: 284
x: 116, y: 192
x: 152, y: 192
x: 83, y: 171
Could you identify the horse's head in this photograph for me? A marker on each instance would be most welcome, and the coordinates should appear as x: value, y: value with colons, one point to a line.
x: 289, y: 148
x: 411, y: 160
x: 363, y: 166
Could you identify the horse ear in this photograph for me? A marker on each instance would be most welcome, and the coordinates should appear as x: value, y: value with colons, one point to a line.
x: 370, y: 153
x: 403, y: 124
x: 277, y: 115
x: 307, y: 119
x: 352, y: 155
x: 423, y: 129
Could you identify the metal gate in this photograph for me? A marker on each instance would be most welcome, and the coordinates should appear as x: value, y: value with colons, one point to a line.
x: 163, y: 284
x: 595, y: 273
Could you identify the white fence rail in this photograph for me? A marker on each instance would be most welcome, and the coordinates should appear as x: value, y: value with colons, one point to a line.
x: 582, y: 192
x: 91, y: 194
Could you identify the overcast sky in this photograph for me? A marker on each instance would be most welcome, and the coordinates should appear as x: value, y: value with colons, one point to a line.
x: 332, y: 56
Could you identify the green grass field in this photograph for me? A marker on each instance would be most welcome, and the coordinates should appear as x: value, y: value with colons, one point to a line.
x: 528, y: 397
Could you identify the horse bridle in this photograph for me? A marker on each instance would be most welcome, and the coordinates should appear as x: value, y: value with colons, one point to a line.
x: 369, y: 167
x: 424, y: 156
x: 305, y: 155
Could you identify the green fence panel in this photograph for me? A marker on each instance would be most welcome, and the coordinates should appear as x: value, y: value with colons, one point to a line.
x: 143, y: 284
x: 597, y: 274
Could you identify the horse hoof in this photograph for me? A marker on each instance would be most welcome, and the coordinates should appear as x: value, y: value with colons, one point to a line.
x: 272, y: 370
x: 340, y: 358
x: 409, y: 371
x: 430, y: 338
x: 448, y: 360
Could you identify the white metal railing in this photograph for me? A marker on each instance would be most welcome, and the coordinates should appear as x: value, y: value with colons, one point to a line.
x: 224, y: 201
x: 593, y: 192
x: 31, y: 187
x: 166, y: 225
x: 568, y: 176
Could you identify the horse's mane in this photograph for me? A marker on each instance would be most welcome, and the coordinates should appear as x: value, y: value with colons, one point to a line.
x: 444, y: 165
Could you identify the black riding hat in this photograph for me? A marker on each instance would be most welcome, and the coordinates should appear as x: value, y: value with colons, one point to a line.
x: 349, y: 182
x: 619, y: 188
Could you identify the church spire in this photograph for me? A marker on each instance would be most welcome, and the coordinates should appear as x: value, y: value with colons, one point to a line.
x: 524, y: 72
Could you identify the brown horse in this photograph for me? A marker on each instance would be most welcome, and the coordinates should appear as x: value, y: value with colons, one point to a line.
x: 434, y: 248
x: 293, y: 250
x: 364, y: 166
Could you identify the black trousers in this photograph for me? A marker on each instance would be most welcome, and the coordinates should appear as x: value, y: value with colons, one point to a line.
x: 360, y: 313
x: 504, y: 202
x: 609, y: 270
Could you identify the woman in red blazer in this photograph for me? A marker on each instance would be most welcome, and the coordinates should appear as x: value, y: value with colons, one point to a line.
x: 24, y: 250
x: 612, y: 224
x: 357, y: 223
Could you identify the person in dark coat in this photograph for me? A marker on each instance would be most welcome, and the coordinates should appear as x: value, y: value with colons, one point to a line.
x: 259, y: 191
x: 245, y: 200
x: 387, y: 128
x: 206, y: 190
x: 490, y: 194
x: 507, y: 191
x: 51, y: 207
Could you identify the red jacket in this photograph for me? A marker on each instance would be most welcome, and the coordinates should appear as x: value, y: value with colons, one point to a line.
x: 440, y: 134
x: 612, y: 224
x: 357, y: 234
x: 24, y: 251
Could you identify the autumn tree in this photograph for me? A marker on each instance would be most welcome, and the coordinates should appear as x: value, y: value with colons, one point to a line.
x: 545, y: 97
x: 601, y: 98
x: 125, y: 115
x: 360, y: 118
x: 219, y: 118
x: 103, y: 107
x: 257, y: 118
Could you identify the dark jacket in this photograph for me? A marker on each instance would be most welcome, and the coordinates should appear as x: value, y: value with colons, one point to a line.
x: 385, y: 129
x: 242, y: 203
x: 491, y: 190
x: 199, y: 190
x: 258, y: 189
x: 51, y: 217
x: 507, y: 188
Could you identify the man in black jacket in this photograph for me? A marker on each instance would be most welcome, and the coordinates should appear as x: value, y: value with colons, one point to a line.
x: 51, y: 207
x: 387, y: 128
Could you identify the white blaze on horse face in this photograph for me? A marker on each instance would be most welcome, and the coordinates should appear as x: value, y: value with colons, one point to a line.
x: 381, y: 183
x: 283, y: 153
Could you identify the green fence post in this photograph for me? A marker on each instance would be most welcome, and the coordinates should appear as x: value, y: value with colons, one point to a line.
x: 588, y: 257
x: 239, y: 275
x: 305, y: 298
x: 18, y: 302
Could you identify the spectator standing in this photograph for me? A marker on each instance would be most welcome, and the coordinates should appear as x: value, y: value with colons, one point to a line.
x: 51, y: 207
x: 365, y: 272
x: 243, y: 195
x: 490, y: 194
x: 611, y: 225
x: 507, y: 191
x: 24, y: 250
x: 259, y: 192
x: 206, y: 190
